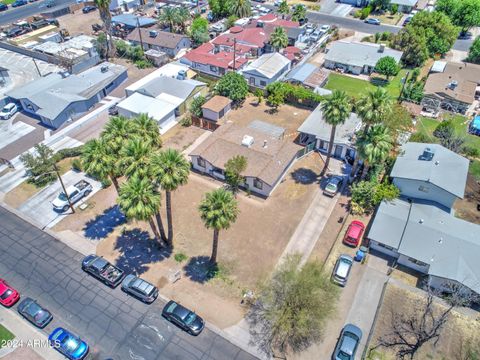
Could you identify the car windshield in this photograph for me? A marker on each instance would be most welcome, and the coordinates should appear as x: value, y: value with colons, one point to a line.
x: 190, y: 318
x: 62, y: 196
x: 6, y: 294
x: 5, y: 109
x: 70, y: 343
x: 343, y: 356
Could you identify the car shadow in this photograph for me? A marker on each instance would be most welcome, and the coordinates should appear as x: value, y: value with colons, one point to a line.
x: 199, y: 269
x: 104, y: 224
x: 305, y: 176
x: 138, y: 251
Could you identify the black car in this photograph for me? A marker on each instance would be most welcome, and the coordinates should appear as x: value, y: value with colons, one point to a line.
x: 113, y: 110
x: 3, y: 7
x: 183, y: 318
x: 139, y: 288
x: 34, y: 313
x: 88, y: 9
x: 19, y: 3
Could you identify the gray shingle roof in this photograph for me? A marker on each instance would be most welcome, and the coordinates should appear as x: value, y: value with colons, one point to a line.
x: 446, y: 170
x: 359, y: 54
x: 172, y: 86
x: 267, y: 65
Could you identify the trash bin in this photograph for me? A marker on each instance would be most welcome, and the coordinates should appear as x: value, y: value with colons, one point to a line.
x: 359, y: 255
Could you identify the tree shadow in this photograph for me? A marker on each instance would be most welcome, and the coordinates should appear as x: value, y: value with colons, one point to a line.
x: 138, y: 250
x: 104, y: 224
x: 199, y: 269
x: 305, y: 176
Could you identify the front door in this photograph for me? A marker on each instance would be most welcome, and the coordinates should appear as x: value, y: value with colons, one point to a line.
x: 338, y: 151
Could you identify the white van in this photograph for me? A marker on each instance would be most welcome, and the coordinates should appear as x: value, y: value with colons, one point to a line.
x: 8, y: 111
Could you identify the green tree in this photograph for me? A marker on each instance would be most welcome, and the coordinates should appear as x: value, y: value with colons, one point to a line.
x: 171, y: 170
x: 374, y: 146
x: 275, y: 99
x: 136, y: 157
x: 448, y: 7
x: 374, y: 107
x: 465, y: 13
x: 232, y: 85
x: 104, y: 10
x: 182, y: 18
x: 279, y: 38
x: 199, y: 30
x: 101, y: 45
x: 379, y: 4
x: 394, y: 9
x: 231, y: 21
x: 413, y: 43
x: 139, y: 200
x: 116, y: 132
x: 283, y: 8
x: 366, y: 195
x: 196, y: 106
x: 218, y: 210
x: 336, y: 109
x: 300, y: 13
x: 399, y: 120
x: 39, y: 165
x: 259, y: 95
x: 233, y: 170
x: 241, y: 8
x: 147, y: 129
x: 474, y: 52
x: 293, y: 307
x: 168, y: 17
x: 219, y: 8
x: 387, y: 66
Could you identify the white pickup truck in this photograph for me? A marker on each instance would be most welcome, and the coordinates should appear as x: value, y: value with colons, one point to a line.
x: 75, y: 192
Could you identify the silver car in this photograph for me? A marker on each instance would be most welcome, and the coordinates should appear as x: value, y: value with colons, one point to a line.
x: 139, y: 288
x: 333, y: 186
x: 342, y: 269
x: 347, y: 344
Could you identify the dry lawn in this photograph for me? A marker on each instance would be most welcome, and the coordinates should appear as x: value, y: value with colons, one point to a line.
x: 79, y: 23
x: 466, y: 208
x: 180, y: 137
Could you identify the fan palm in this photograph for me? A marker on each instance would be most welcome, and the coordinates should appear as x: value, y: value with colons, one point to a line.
x: 139, y: 200
x: 170, y: 170
x: 279, y: 38
x: 374, y: 146
x: 168, y: 16
x: 374, y: 107
x: 182, y: 17
x: 283, y: 8
x: 336, y: 109
x: 241, y: 8
x: 104, y: 10
x: 135, y: 158
x: 117, y: 130
x: 300, y: 13
x: 218, y: 210
x: 147, y: 128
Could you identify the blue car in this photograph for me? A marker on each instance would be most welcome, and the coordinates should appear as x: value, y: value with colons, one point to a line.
x: 19, y: 3
x: 68, y: 344
x: 3, y: 7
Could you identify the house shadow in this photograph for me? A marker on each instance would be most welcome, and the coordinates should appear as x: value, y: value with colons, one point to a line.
x: 138, y: 251
x: 104, y: 224
x: 199, y: 269
x: 305, y: 176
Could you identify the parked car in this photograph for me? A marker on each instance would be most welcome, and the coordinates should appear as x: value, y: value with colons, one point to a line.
x: 407, y: 19
x: 183, y: 318
x: 325, y: 28
x: 8, y: 111
x: 139, y: 288
x: 19, y: 3
x: 88, y: 9
x: 372, y: 21
x: 15, y: 31
x: 342, y: 269
x: 75, y: 192
x: 333, y: 185
x: 3, y: 7
x: 467, y: 35
x: 100, y: 268
x: 347, y: 343
x: 68, y: 344
x: 113, y: 110
x: 8, y: 295
x: 34, y: 313
x: 354, y: 233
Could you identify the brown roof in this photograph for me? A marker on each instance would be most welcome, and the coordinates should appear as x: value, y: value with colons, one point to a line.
x: 466, y: 75
x: 164, y: 39
x: 266, y: 163
x: 317, y: 78
x: 217, y: 103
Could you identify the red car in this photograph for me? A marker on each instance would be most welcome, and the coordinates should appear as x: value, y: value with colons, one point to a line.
x: 354, y: 233
x: 8, y: 295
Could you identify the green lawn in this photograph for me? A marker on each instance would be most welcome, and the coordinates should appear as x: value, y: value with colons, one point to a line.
x: 357, y: 87
x: 8, y: 2
x: 5, y: 335
x: 475, y: 169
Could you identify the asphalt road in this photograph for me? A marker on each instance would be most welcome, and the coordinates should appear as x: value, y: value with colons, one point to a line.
x: 21, y: 12
x: 113, y: 324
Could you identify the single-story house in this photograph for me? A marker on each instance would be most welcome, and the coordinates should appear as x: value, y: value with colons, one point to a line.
x: 268, y: 156
x: 451, y: 86
x: 166, y: 42
x: 267, y: 69
x: 357, y: 57
x: 132, y: 21
x: 405, y: 6
x: 315, y: 134
x: 56, y: 98
x: 216, y: 108
x: 308, y: 75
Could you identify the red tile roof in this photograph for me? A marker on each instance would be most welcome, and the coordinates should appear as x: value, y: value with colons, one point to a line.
x: 274, y: 20
x: 249, y: 36
x: 204, y: 55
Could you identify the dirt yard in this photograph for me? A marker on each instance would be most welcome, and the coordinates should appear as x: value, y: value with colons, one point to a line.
x: 459, y: 330
x: 180, y: 137
x: 79, y: 23
x: 467, y: 208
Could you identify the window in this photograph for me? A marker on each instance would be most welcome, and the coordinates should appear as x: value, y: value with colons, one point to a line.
x: 201, y: 162
x: 258, y: 184
x: 251, y: 80
x: 213, y: 68
x: 263, y: 83
x: 385, y: 246
x: 424, y: 189
x: 416, y: 262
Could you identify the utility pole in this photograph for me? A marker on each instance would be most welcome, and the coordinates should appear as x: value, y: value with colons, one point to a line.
x: 140, y: 34
x: 63, y: 187
x: 234, y: 51
x: 403, y: 87
x: 36, y: 66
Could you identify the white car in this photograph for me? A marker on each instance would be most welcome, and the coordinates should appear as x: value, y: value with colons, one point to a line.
x: 8, y: 111
x: 325, y: 28
x: 75, y: 192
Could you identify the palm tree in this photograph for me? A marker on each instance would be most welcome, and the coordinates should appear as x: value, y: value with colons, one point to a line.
x: 241, y: 8
x: 374, y: 107
x: 279, y: 38
x: 98, y: 160
x: 374, y: 146
x: 182, y: 18
x: 218, y: 210
x: 168, y: 16
x: 336, y: 109
x: 104, y: 10
x: 171, y: 170
x: 139, y: 200
x: 147, y: 128
x: 283, y: 8
x: 300, y: 13
x: 117, y: 130
x: 135, y: 158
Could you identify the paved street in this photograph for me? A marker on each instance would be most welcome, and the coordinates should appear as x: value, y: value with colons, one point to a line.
x: 114, y: 324
x: 13, y: 14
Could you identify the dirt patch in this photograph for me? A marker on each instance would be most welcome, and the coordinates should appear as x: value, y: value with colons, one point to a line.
x: 134, y: 74
x: 466, y: 208
x: 79, y: 23
x: 20, y: 194
x: 180, y: 137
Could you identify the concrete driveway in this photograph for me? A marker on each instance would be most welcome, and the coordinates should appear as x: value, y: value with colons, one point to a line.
x: 39, y: 207
x: 11, y: 132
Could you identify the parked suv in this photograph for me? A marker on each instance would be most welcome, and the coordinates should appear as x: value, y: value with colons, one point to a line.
x: 8, y: 111
x: 348, y: 342
x: 342, y: 269
x: 139, y: 288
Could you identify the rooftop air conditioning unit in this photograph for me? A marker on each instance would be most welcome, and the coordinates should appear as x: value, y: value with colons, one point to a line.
x: 182, y: 75
x: 427, y: 154
x: 104, y: 69
x: 247, y: 141
x: 153, y: 33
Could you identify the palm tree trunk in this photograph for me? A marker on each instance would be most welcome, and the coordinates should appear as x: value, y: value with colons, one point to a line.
x: 354, y: 167
x: 115, y: 183
x: 329, y: 152
x: 160, y: 226
x: 366, y: 128
x: 365, y: 170
x: 155, y: 231
x: 168, y: 203
x: 213, y: 258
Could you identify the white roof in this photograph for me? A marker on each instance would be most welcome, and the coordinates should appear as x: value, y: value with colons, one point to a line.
x: 438, y: 66
x: 157, y: 109
x: 267, y: 65
x: 411, y: 3
x: 168, y: 70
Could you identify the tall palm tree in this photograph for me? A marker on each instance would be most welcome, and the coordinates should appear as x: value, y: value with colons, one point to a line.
x: 241, y: 8
x: 98, y: 160
x: 183, y: 16
x: 300, y: 13
x: 139, y: 200
x: 336, y: 109
x: 218, y: 210
x: 168, y: 16
x: 116, y: 131
x: 283, y: 8
x: 104, y: 10
x: 374, y: 146
x: 135, y: 157
x: 374, y: 107
x: 171, y: 170
x: 279, y: 38
x: 147, y: 128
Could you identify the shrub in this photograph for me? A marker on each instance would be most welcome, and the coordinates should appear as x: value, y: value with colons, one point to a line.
x: 77, y: 164
x: 368, y: 194
x: 470, y: 151
x: 196, y: 105
x: 366, y: 38
x: 365, y: 12
x: 394, y: 9
x: 69, y: 153
x: 377, y: 37
x: 186, y: 121
x: 385, y: 36
x: 143, y: 64
x: 284, y: 92
x: 106, y: 182
x: 357, y: 14
x: 180, y: 257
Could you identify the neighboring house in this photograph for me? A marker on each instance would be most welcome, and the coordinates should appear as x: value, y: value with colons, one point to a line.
x: 267, y: 69
x: 356, y: 3
x: 308, y: 75
x: 56, y: 98
x: 166, y: 42
x: 125, y: 5
x: 216, y: 108
x: 315, y: 134
x: 420, y: 230
x: 357, y: 58
x: 268, y: 156
x: 451, y: 86
x: 405, y: 6
x: 131, y: 21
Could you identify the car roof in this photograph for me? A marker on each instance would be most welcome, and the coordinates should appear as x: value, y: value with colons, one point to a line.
x: 99, y: 263
x: 355, y: 229
x: 348, y: 344
x: 335, y: 180
x: 353, y: 329
x: 142, y: 285
x: 343, y: 267
x: 181, y: 311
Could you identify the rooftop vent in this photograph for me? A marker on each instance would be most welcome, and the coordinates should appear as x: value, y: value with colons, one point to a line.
x: 427, y: 154
x: 452, y: 85
x: 381, y: 48
x: 153, y: 33
x: 104, y: 68
x: 420, y: 221
x: 247, y: 141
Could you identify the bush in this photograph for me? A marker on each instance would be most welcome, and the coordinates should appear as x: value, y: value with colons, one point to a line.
x: 365, y: 12
x: 143, y: 64
x: 196, y: 105
x: 366, y: 39
x: 394, y: 9
x: 77, y: 164
x: 377, y: 37
x: 69, y: 153
x: 470, y: 151
x: 186, y: 121
x: 180, y: 257
x: 385, y: 36
x: 366, y: 195
x: 284, y: 92
x: 106, y: 183
x: 357, y: 14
